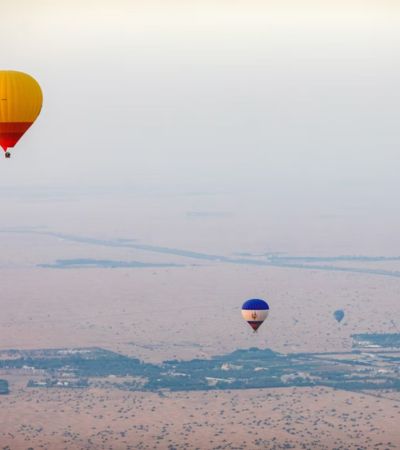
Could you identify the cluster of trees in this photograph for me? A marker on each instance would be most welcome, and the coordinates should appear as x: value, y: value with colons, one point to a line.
x: 388, y: 340
x: 242, y: 369
x: 4, y: 389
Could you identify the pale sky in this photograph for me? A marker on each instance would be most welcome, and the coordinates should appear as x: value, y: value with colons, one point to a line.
x: 198, y: 95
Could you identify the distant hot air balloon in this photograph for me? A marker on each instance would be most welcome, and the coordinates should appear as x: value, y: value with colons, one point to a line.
x: 338, y: 315
x: 254, y: 312
x: 20, y: 103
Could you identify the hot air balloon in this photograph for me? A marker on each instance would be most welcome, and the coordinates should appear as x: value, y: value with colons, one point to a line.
x: 20, y: 103
x: 338, y: 315
x: 254, y: 312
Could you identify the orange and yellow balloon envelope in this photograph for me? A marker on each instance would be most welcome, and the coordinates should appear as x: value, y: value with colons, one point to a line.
x: 20, y: 103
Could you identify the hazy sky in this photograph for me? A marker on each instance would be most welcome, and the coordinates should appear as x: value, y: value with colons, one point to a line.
x: 198, y: 94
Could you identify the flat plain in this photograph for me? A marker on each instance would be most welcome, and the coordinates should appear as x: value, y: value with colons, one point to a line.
x: 185, y: 304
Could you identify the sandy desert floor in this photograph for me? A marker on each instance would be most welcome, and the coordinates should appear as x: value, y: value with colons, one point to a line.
x: 268, y: 419
x: 187, y: 312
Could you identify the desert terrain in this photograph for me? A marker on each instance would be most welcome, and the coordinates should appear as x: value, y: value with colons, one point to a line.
x: 273, y: 419
x: 67, y: 286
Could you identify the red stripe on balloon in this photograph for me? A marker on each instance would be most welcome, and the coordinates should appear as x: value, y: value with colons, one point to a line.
x: 254, y: 325
x: 11, y: 133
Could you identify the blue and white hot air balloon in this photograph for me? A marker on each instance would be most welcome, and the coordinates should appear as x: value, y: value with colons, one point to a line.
x: 254, y: 312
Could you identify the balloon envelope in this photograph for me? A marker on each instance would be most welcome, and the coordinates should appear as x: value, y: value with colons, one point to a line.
x: 339, y: 314
x: 254, y: 312
x: 20, y: 103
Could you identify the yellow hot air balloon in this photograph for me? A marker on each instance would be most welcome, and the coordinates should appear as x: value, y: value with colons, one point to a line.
x: 20, y: 103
